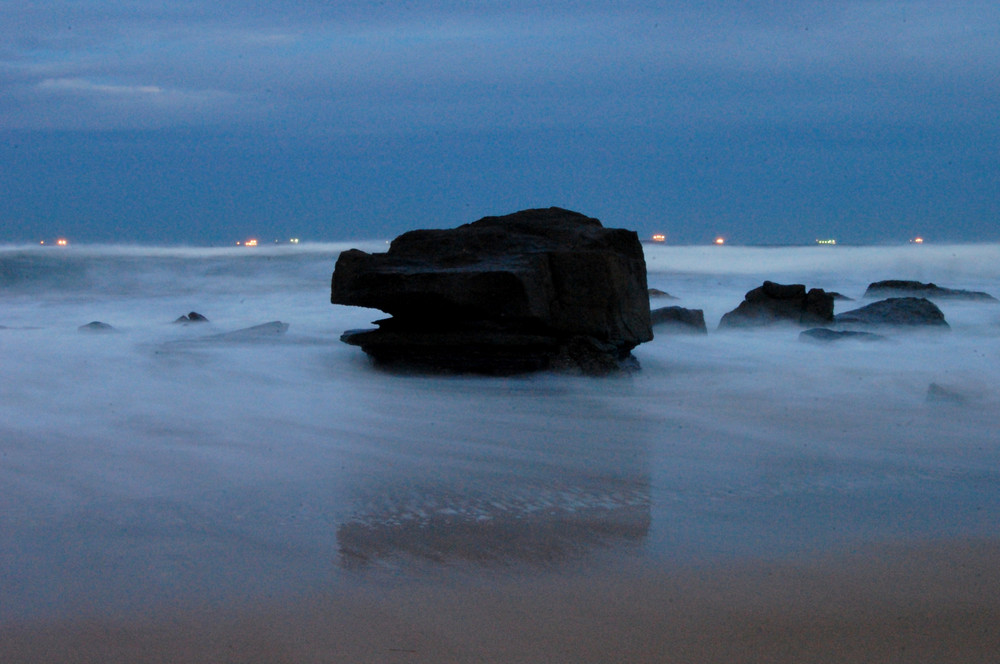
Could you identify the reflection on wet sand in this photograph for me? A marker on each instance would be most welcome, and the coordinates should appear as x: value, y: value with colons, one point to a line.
x: 541, y: 475
x: 528, y: 522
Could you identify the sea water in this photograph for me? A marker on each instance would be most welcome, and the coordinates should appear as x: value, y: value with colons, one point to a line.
x: 164, y: 463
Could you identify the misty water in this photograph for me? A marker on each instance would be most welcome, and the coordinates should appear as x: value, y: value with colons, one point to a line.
x: 163, y: 463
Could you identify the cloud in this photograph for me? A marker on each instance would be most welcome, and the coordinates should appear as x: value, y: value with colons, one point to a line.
x: 80, y: 103
x: 84, y: 87
x: 313, y: 66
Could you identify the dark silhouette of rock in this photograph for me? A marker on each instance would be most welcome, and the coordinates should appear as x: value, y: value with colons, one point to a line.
x: 840, y: 296
x: 502, y: 295
x: 97, y: 327
x: 825, y: 335
x: 900, y: 288
x: 895, y: 311
x: 262, y: 332
x: 777, y: 303
x: 679, y: 320
x: 940, y: 394
x: 656, y: 292
x: 193, y: 317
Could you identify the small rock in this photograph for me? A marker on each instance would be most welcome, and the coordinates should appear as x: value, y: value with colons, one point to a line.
x: 679, y: 320
x: 656, y: 292
x: 193, y: 317
x: 826, y: 335
x: 939, y: 394
x: 96, y: 327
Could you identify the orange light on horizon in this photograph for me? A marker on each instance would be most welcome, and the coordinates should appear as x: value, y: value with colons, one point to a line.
x: 62, y: 242
x: 917, y: 240
x: 659, y: 237
x: 720, y: 240
x: 250, y: 243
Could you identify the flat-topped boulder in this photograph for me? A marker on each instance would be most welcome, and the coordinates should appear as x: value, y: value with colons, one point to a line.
x: 903, y: 288
x: 773, y: 303
x: 526, y: 291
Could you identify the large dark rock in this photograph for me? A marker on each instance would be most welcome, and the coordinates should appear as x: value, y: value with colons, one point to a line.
x: 778, y: 303
x: 900, y: 288
x: 679, y: 320
x: 523, y: 292
x: 895, y: 312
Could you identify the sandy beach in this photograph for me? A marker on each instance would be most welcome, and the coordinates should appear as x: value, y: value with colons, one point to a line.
x: 935, y: 602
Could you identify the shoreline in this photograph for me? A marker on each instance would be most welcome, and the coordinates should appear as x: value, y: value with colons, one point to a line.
x: 935, y: 601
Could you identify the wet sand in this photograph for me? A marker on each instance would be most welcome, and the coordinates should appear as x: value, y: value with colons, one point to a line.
x: 937, y: 602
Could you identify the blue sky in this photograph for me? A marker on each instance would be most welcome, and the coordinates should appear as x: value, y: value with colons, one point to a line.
x: 766, y: 122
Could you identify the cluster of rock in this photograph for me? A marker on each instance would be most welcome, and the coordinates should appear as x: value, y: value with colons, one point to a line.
x: 773, y: 303
x: 537, y: 289
x: 554, y: 289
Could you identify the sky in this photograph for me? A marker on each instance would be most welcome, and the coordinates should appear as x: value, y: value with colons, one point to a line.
x: 764, y: 122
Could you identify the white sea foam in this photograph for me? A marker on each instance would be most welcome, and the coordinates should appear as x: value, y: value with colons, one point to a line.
x: 150, y: 465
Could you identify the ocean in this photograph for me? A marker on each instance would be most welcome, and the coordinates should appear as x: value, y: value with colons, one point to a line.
x: 164, y: 465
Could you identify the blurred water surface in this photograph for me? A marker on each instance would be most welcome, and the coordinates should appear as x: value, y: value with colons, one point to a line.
x: 163, y: 462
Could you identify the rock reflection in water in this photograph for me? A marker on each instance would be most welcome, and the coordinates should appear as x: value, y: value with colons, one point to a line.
x: 497, y: 471
x: 530, y: 522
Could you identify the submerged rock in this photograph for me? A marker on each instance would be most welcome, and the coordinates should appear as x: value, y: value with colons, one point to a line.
x: 96, y: 327
x: 262, y: 332
x: 823, y: 335
x: 896, y: 311
x: 937, y: 393
x: 774, y: 303
x: 902, y: 288
x: 656, y: 292
x: 522, y: 292
x: 679, y: 320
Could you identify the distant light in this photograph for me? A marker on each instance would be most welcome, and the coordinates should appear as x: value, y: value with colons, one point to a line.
x: 250, y: 243
x: 828, y: 241
x: 293, y: 240
x: 659, y: 237
x: 42, y: 242
x: 720, y: 240
x: 62, y: 242
x: 917, y: 240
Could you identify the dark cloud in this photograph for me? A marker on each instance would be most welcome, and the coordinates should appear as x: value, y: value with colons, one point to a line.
x: 829, y: 98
